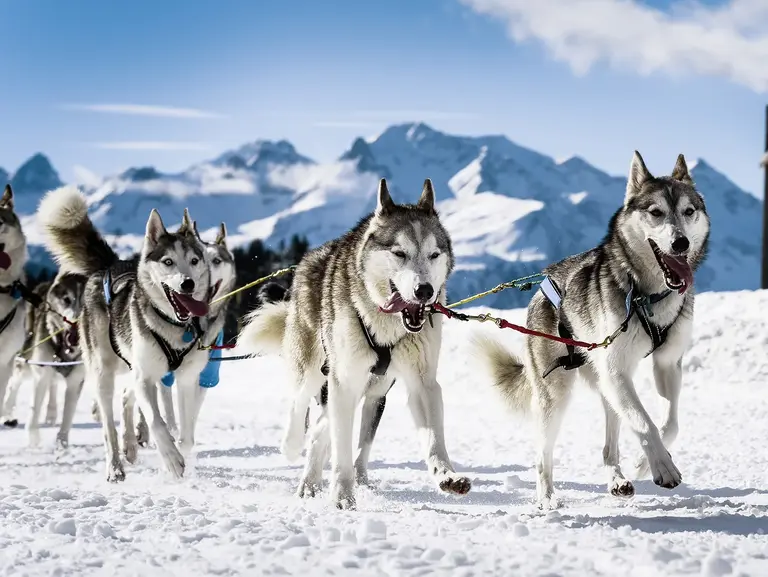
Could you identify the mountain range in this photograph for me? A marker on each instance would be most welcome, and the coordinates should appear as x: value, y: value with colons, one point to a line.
x: 510, y: 210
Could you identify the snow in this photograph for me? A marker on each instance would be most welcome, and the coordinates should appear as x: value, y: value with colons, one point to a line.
x: 235, y: 512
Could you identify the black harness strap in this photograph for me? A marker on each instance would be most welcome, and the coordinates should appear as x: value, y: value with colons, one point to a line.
x: 174, y: 356
x: 636, y: 304
x: 8, y: 319
x: 18, y: 290
x: 383, y: 353
x: 119, y: 270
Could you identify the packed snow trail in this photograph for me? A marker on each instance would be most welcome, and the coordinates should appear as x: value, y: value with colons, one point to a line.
x: 235, y: 513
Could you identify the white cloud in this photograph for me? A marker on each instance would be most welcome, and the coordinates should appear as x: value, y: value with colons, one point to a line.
x: 144, y: 110
x: 729, y: 40
x: 150, y: 145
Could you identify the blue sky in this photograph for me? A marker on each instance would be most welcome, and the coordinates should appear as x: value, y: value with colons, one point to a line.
x: 658, y: 77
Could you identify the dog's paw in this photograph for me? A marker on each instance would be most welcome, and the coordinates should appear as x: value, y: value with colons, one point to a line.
x: 550, y: 503
x: 307, y: 489
x: 621, y: 488
x: 62, y: 441
x: 142, y: 434
x: 642, y: 468
x: 11, y: 423
x: 361, y: 477
x: 50, y: 419
x: 665, y: 473
x: 173, y: 460
x: 130, y: 450
x: 115, y: 472
x: 343, y: 495
x: 292, y: 447
x: 455, y: 484
x: 33, y: 436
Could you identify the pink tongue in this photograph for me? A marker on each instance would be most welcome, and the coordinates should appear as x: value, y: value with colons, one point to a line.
x: 394, y: 304
x: 197, y: 308
x: 682, y: 269
x: 5, y: 260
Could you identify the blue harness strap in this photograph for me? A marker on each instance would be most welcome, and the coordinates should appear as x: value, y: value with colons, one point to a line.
x: 209, y: 377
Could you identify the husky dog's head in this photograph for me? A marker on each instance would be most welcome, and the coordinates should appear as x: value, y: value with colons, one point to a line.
x: 173, y: 268
x: 665, y: 222
x: 406, y: 256
x: 222, y: 263
x: 13, y: 246
x: 65, y: 298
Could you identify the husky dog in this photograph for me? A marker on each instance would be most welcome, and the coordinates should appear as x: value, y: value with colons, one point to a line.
x: 639, y: 278
x: 142, y: 318
x: 54, y: 321
x: 223, y: 277
x: 13, y: 257
x: 356, y: 317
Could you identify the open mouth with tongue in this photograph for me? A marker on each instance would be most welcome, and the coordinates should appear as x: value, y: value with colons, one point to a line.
x: 72, y: 337
x: 184, y: 306
x: 412, y: 314
x: 678, y: 275
x: 5, y: 258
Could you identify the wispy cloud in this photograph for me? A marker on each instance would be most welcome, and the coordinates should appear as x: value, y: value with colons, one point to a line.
x: 401, y: 115
x: 145, y: 110
x: 343, y: 124
x: 729, y: 40
x: 150, y: 145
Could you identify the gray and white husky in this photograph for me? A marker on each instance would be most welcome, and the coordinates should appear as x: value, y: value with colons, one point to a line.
x: 62, y: 300
x: 142, y: 318
x: 655, y: 242
x: 356, y: 318
x: 223, y: 278
x: 13, y: 257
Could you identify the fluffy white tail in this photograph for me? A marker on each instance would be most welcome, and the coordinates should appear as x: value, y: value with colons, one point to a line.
x: 264, y: 329
x: 506, y: 370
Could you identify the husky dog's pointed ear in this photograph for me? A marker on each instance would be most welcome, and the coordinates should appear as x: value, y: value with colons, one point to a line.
x: 186, y: 223
x: 638, y: 174
x: 427, y: 200
x: 680, y: 172
x: 384, y: 202
x: 221, y: 236
x: 7, y: 200
x: 155, y: 227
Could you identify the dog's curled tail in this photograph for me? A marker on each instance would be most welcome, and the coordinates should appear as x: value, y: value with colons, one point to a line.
x: 69, y: 234
x: 264, y: 329
x: 506, y: 370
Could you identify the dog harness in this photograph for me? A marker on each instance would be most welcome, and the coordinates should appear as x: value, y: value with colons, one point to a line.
x: 125, y: 271
x: 17, y: 290
x: 209, y: 377
x: 62, y: 352
x: 383, y: 353
x: 636, y: 304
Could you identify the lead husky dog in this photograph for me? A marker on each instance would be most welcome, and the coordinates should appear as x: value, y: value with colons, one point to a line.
x: 13, y: 257
x: 655, y: 242
x: 223, y: 278
x: 357, y: 314
x: 63, y: 302
x: 142, y: 318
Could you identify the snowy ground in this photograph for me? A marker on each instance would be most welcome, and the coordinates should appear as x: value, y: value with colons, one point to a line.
x: 235, y: 514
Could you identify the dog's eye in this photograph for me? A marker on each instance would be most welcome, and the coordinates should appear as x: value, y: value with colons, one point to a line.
x: 216, y: 261
x: 434, y: 255
x: 67, y: 301
x: 194, y: 261
x: 656, y: 213
x: 398, y: 253
x: 167, y: 262
x: 689, y: 211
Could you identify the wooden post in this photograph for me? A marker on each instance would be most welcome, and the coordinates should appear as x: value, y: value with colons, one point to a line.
x: 764, y: 279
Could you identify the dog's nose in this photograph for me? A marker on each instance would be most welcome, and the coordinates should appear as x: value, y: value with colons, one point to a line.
x: 424, y: 292
x: 187, y: 285
x: 680, y: 244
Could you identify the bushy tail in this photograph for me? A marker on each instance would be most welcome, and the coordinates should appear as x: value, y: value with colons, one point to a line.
x: 69, y: 234
x: 506, y: 370
x: 264, y: 329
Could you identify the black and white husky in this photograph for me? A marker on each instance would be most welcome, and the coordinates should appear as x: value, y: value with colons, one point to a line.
x: 639, y: 278
x: 356, y: 319
x: 143, y: 318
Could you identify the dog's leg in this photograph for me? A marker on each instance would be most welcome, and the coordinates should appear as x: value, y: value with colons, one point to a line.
x: 548, y: 407
x: 309, y: 385
x: 146, y: 394
x: 669, y: 380
x: 169, y: 414
x: 142, y: 431
x: 130, y: 442
x: 6, y: 371
x: 102, y: 380
x: 373, y: 409
x: 318, y: 453
x: 74, y: 383
x: 40, y: 386
x: 425, y: 400
x: 52, y: 409
x: 95, y: 412
x: 342, y: 402
x: 618, y: 486
x: 620, y: 392
x: 190, y: 396
x: 9, y: 407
